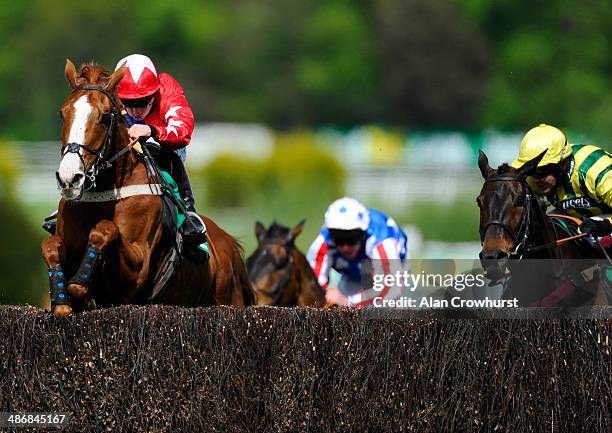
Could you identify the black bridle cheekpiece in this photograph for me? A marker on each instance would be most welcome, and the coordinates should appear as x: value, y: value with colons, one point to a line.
x: 110, y: 121
x: 520, y: 238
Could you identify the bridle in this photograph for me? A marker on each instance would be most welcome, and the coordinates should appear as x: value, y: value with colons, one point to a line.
x: 99, y: 163
x: 276, y: 292
x: 523, y: 232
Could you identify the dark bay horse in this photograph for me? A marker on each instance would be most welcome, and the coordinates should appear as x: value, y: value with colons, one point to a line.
x: 280, y: 273
x: 107, y: 247
x: 518, y: 236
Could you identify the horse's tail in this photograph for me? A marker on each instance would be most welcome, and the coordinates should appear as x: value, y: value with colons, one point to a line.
x: 241, y: 276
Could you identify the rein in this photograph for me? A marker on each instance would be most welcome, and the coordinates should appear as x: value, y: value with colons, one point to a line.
x: 556, y: 243
x: 560, y: 271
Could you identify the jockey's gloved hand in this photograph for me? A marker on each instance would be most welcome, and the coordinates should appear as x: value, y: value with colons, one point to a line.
x: 596, y: 227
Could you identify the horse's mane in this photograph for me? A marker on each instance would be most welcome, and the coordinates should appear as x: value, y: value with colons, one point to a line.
x: 92, y: 73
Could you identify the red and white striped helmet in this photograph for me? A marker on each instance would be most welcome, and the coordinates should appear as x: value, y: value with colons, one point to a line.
x: 140, y: 79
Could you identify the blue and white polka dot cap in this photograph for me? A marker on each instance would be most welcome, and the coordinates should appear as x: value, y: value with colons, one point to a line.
x: 347, y: 214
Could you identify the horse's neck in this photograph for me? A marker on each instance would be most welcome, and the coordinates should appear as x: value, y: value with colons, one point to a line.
x: 307, y: 280
x: 123, y: 169
x: 298, y: 267
x: 541, y: 231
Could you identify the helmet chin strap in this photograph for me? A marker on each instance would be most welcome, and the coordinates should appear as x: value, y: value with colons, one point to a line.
x: 560, y: 172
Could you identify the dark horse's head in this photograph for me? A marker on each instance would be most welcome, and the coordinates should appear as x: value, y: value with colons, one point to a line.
x: 505, y: 203
x: 272, y: 263
x: 89, y: 117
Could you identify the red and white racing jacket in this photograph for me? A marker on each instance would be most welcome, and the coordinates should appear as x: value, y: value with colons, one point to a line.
x: 171, y: 115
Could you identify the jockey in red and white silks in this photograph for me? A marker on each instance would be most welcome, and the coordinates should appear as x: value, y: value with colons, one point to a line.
x: 158, y: 109
x: 170, y: 117
x: 352, y: 236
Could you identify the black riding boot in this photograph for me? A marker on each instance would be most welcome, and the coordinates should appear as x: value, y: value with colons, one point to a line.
x: 194, y: 230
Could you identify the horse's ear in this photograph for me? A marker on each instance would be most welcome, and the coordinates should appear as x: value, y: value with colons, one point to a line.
x: 260, y: 231
x: 483, y: 164
x: 71, y: 74
x: 115, y: 77
x: 528, y: 168
x: 295, y: 231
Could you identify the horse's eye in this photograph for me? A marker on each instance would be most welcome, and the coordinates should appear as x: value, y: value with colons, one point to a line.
x: 105, y: 119
x: 61, y: 115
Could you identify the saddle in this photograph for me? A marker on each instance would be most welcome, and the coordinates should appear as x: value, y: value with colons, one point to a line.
x: 581, y: 272
x: 567, y: 226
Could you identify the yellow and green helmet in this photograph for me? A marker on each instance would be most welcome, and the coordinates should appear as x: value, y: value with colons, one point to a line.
x: 537, y: 140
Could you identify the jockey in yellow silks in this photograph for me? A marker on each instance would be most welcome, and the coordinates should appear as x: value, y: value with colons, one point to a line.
x: 575, y: 178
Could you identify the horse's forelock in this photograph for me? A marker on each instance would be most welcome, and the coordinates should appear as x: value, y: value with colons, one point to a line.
x: 276, y: 231
x: 92, y: 73
x: 505, y: 169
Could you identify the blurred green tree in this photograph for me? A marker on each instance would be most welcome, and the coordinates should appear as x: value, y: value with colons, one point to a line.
x: 426, y: 63
x: 336, y: 70
x: 297, y: 175
x: 552, y: 63
x: 285, y: 63
x: 433, y: 64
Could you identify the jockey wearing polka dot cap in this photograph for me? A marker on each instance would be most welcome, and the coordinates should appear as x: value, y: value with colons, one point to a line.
x: 352, y: 235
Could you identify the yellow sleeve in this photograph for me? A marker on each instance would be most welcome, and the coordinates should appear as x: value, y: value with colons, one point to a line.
x: 603, y: 190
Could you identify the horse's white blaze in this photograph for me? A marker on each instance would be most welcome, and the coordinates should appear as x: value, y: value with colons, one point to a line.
x: 70, y: 165
x: 71, y: 162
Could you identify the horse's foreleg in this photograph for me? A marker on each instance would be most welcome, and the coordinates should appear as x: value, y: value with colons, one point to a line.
x: 100, y: 237
x: 53, y: 252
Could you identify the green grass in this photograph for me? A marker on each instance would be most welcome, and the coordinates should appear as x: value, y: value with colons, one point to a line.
x: 454, y: 222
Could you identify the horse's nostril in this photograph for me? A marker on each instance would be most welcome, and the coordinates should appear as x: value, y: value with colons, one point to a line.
x: 492, y: 255
x: 60, y: 182
x: 77, y: 178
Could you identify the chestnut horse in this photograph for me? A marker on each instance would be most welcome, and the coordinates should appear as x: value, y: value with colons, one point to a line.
x: 107, y: 250
x: 517, y: 235
x: 280, y: 273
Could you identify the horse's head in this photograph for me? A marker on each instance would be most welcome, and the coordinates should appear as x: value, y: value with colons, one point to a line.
x: 505, y: 202
x: 271, y: 265
x: 89, y: 117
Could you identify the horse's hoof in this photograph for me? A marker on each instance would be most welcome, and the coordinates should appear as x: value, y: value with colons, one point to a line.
x: 77, y: 290
x: 62, y: 311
